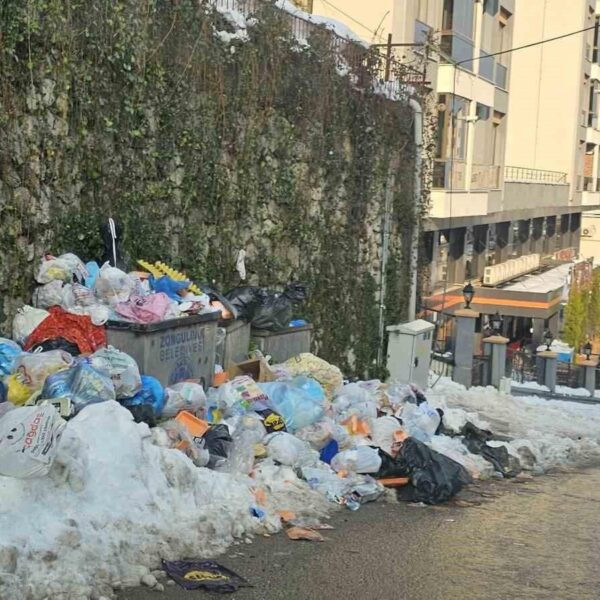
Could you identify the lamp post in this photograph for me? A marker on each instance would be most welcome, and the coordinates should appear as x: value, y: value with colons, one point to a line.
x: 468, y: 293
x: 496, y: 323
x: 548, y: 338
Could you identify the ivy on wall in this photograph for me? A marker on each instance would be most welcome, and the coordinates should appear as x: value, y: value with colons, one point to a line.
x: 137, y: 110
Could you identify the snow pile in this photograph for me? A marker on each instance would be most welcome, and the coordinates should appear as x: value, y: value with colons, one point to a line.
x: 236, y: 19
x: 114, y: 504
x: 554, y: 431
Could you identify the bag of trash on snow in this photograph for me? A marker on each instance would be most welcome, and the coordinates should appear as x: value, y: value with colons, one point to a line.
x: 28, y: 440
x: 82, y: 384
x: 300, y: 401
x: 185, y: 395
x: 121, y: 367
x: 146, y: 405
x: 287, y: 449
x: 434, y: 477
x: 363, y: 459
x: 26, y: 320
x: 420, y: 421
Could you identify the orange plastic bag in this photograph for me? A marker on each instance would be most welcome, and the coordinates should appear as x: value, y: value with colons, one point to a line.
x: 356, y: 426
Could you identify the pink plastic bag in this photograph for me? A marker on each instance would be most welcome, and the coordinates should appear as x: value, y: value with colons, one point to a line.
x: 144, y: 309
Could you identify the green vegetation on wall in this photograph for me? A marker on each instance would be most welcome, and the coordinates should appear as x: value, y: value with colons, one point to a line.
x: 199, y: 148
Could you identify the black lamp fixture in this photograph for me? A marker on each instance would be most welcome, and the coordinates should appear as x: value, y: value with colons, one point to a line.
x: 496, y: 323
x: 587, y: 349
x: 548, y: 338
x: 468, y: 293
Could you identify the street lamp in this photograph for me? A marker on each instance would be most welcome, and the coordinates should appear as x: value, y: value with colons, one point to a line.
x: 468, y: 293
x: 587, y: 349
x: 496, y: 322
x: 548, y: 338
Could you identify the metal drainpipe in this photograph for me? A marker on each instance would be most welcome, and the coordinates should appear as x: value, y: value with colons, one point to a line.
x: 414, y: 250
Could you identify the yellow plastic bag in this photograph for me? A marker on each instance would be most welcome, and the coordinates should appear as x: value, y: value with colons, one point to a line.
x: 18, y: 392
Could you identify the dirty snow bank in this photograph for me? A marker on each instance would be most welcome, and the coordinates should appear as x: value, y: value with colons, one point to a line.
x: 115, y: 504
x: 555, y: 431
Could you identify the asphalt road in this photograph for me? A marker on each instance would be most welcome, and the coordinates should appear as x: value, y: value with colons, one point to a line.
x: 515, y: 540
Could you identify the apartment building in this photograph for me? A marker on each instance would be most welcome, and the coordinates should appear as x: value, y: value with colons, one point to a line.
x: 517, y: 154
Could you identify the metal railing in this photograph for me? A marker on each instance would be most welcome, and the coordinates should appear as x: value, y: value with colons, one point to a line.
x: 442, y: 365
x: 369, y: 64
x: 570, y: 375
x: 521, y: 366
x: 526, y: 175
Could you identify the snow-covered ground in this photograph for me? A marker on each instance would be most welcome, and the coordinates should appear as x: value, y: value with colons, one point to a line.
x: 115, y: 502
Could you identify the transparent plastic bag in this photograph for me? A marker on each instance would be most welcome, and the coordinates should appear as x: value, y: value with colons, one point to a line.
x: 318, y: 434
x: 420, y: 422
x: 32, y: 370
x: 25, y: 321
x: 186, y: 395
x: 287, y: 449
x: 382, y: 432
x: 54, y: 269
x: 122, y: 368
x: 362, y: 459
x: 300, y: 401
x: 113, y: 285
x: 249, y: 431
x: 49, y: 294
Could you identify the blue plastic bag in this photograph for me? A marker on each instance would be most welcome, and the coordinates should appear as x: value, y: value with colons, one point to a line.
x: 300, y: 401
x: 82, y: 384
x: 168, y: 286
x: 9, y: 351
x: 93, y: 270
x: 151, y: 395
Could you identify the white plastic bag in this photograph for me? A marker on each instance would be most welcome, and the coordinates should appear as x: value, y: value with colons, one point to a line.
x: 54, y: 269
x: 288, y: 450
x: 420, y: 421
x: 363, y: 459
x: 113, y: 285
x: 76, y: 266
x: 32, y: 369
x: 28, y: 440
x: 122, y: 368
x: 49, y: 294
x: 185, y: 396
x: 382, y: 432
x: 25, y: 321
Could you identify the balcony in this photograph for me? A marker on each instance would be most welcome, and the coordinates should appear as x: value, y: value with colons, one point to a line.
x: 452, y: 176
x: 526, y: 188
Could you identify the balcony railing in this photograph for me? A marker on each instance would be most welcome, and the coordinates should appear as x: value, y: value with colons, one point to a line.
x: 453, y: 176
x: 526, y: 175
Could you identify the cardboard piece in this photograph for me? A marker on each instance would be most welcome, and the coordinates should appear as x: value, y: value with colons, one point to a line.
x: 257, y: 368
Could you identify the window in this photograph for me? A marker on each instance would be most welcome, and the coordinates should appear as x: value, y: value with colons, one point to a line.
x: 482, y: 111
x: 449, y: 105
x: 458, y: 17
x: 490, y: 7
x: 422, y: 32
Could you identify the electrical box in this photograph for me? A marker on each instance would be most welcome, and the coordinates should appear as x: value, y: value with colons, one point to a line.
x: 409, y: 352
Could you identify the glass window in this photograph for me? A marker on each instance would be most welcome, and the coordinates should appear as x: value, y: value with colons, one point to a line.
x: 458, y: 17
x: 421, y: 32
x: 490, y: 7
x: 486, y: 66
x: 482, y: 111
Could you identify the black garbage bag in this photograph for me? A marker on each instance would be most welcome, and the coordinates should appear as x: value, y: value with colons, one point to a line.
x: 275, y: 310
x: 435, y: 478
x: 245, y: 299
x: 218, y: 443
x: 57, y: 344
x: 475, y: 439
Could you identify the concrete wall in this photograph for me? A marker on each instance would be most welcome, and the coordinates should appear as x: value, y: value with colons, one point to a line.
x: 590, y: 236
x: 518, y: 196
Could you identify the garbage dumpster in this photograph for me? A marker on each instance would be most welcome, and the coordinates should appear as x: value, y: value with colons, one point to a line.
x: 234, y: 347
x: 171, y: 350
x: 281, y: 345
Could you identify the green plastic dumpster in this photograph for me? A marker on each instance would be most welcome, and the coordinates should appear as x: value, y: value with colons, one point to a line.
x: 171, y: 350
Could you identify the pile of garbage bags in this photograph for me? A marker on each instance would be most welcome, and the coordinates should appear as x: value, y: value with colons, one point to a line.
x: 345, y: 439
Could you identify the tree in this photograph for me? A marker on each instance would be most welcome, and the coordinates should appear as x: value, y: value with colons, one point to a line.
x: 593, y: 328
x: 576, y: 317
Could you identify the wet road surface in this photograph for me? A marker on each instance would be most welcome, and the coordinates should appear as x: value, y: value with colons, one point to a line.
x: 532, y: 539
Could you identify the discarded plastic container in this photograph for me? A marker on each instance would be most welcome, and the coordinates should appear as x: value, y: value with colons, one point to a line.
x: 282, y: 345
x: 196, y: 427
x: 173, y: 350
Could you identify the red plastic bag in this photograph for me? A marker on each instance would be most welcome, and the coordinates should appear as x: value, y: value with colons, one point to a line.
x: 77, y: 329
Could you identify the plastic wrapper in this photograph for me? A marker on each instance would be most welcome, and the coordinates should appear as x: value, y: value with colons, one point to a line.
x: 28, y: 440
x: 363, y: 459
x: 287, y: 449
x: 300, y: 401
x: 238, y: 395
x: 188, y: 396
x: 49, y: 294
x: 248, y: 432
x: 122, y: 368
x: 27, y: 320
x: 82, y: 384
x: 113, y: 285
x: 329, y: 376
x: 318, y: 435
x: 180, y: 438
x: 9, y: 352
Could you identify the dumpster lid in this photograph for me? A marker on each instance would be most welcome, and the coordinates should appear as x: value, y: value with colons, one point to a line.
x: 269, y: 333
x: 162, y: 325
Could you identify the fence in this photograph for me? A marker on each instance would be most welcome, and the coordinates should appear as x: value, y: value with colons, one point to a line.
x: 376, y: 61
x: 525, y: 175
x: 570, y: 375
x: 442, y: 365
